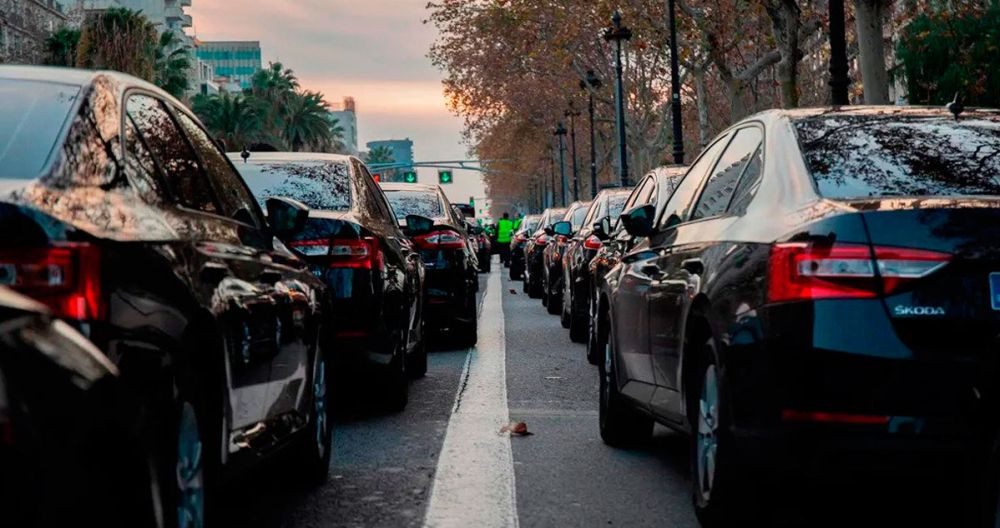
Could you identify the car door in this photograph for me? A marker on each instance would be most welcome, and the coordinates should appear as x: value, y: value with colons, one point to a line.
x: 219, y: 266
x: 690, y: 241
x: 629, y: 318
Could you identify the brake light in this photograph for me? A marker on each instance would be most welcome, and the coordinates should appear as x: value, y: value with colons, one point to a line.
x: 520, y: 237
x: 446, y: 239
x: 801, y: 271
x: 542, y: 240
x: 65, y: 276
x: 592, y: 242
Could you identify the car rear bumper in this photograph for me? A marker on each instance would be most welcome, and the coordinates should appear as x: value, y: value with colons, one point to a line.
x: 446, y: 296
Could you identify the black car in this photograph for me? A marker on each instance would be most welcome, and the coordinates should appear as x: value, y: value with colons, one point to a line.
x: 452, y: 278
x: 119, y: 212
x: 517, y: 244
x: 65, y: 458
x: 353, y: 244
x: 552, y: 255
x: 534, y: 273
x: 654, y: 188
x: 580, y: 250
x: 822, y: 288
x: 478, y: 240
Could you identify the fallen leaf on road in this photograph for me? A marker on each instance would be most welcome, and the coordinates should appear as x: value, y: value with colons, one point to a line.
x: 513, y: 291
x: 516, y: 429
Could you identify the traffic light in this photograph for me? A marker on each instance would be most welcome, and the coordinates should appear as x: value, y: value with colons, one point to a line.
x: 410, y: 176
x: 444, y: 177
x: 472, y: 201
x: 377, y: 177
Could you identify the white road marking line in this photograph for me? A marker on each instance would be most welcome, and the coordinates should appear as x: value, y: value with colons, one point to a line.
x: 474, y: 481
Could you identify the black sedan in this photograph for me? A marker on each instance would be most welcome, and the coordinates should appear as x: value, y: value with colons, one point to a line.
x: 452, y: 278
x: 529, y: 224
x: 534, y: 274
x: 352, y: 243
x: 580, y: 250
x: 119, y: 212
x: 654, y: 188
x: 552, y: 255
x: 822, y: 288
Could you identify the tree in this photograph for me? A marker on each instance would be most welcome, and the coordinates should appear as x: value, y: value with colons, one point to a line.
x: 336, y: 135
x: 118, y: 39
x: 173, y: 62
x: 230, y: 118
x: 61, y: 47
x: 305, y: 122
x: 869, y: 19
x: 380, y: 154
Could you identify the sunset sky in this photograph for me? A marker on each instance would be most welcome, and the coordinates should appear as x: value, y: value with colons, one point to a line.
x: 373, y: 50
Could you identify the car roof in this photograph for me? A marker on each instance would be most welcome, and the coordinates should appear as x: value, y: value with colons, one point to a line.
x: 79, y: 77
x: 399, y: 186
x: 288, y: 157
x: 887, y: 111
x: 615, y: 190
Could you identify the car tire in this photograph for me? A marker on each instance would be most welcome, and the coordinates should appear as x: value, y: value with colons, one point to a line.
x: 718, y: 481
x: 315, y: 446
x: 554, y: 304
x: 466, y: 332
x: 417, y: 366
x: 524, y: 285
x: 621, y: 424
x: 563, y: 313
x: 578, y: 324
x: 593, y: 343
x: 535, y: 290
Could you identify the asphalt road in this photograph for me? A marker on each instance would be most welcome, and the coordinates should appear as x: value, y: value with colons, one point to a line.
x: 399, y: 469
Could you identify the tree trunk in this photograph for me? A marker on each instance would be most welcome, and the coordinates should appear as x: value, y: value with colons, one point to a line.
x: 785, y: 22
x: 699, y: 86
x: 737, y: 105
x: 875, y: 78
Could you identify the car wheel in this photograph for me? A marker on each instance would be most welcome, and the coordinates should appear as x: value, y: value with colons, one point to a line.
x: 316, y: 444
x: 417, y: 367
x: 564, y: 312
x: 593, y: 342
x: 621, y: 425
x: 716, y: 474
x: 546, y: 290
x: 554, y: 305
x: 535, y: 290
x: 524, y: 285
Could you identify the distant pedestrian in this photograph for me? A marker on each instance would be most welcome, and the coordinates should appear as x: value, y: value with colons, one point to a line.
x: 504, y: 229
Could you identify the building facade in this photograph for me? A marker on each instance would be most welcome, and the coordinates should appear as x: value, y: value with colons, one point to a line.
x: 234, y: 62
x: 347, y: 119
x: 24, y: 26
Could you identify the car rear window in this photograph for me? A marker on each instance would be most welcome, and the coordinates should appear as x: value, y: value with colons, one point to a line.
x: 32, y: 115
x: 322, y: 185
x: 853, y: 157
x: 422, y: 203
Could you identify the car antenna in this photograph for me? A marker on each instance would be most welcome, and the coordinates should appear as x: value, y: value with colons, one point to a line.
x: 245, y: 154
x: 955, y: 107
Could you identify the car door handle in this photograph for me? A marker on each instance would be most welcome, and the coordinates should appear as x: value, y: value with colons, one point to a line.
x: 213, y: 272
x: 693, y: 266
x: 269, y: 276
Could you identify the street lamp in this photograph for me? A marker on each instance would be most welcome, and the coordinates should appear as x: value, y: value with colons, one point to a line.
x: 675, y: 89
x: 617, y: 32
x: 594, y: 83
x: 560, y: 132
x: 838, y: 55
x: 572, y: 114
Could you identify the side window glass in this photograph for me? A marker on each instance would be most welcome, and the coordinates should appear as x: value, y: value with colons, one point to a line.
x: 234, y: 198
x: 719, y: 189
x: 173, y: 153
x: 140, y: 165
x: 749, y: 183
x: 683, y: 195
x: 375, y: 195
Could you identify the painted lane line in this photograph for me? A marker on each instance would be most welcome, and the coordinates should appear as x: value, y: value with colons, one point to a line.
x: 474, y: 481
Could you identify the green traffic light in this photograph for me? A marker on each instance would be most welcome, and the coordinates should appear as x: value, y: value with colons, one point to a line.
x: 410, y: 177
x: 444, y: 176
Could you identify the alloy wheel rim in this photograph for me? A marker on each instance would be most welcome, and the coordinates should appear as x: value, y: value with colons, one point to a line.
x: 707, y: 436
x: 190, y: 480
x: 319, y: 404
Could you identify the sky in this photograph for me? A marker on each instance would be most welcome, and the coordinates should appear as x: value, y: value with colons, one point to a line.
x: 373, y: 50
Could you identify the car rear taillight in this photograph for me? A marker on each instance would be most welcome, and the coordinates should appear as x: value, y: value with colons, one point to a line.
x: 66, y: 277
x: 542, y: 240
x: 561, y: 240
x: 592, y: 242
x: 802, y: 271
x: 311, y: 248
x: 354, y: 253
x: 446, y: 239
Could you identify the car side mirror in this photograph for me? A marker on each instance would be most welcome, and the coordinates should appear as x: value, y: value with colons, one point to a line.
x: 548, y: 230
x: 672, y: 221
x: 563, y: 228
x: 602, y: 228
x: 417, y: 225
x: 286, y: 217
x: 638, y: 221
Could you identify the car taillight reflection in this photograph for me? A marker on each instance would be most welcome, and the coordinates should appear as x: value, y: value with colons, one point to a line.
x: 66, y: 277
x: 802, y: 271
x: 592, y: 242
x: 541, y: 240
x: 440, y: 240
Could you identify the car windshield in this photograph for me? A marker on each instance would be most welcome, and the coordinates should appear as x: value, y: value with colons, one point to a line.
x: 421, y: 203
x: 616, y: 202
x: 528, y: 225
x: 853, y: 157
x: 322, y: 185
x: 32, y: 116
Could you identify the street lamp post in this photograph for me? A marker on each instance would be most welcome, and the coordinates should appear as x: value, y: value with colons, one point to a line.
x: 560, y: 132
x: 617, y: 32
x: 838, y: 55
x: 572, y: 114
x: 594, y: 83
x: 675, y: 88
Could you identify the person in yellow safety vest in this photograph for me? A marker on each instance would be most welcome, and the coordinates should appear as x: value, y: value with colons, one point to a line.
x: 504, y: 229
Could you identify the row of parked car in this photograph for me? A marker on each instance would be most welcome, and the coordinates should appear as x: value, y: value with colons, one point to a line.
x: 190, y: 310
x: 819, y: 289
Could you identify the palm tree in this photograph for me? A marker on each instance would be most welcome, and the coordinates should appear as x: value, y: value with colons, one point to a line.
x: 380, y: 154
x: 118, y: 39
x: 306, y: 124
x: 60, y: 47
x: 173, y: 61
x: 272, y: 90
x: 230, y: 118
x: 336, y: 135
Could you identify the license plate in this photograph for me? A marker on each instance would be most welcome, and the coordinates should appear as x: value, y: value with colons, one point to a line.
x: 995, y: 291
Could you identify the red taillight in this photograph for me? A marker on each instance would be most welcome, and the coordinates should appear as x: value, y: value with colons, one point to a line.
x: 354, y: 253
x: 520, y: 237
x: 542, y: 240
x: 66, y: 277
x: 562, y: 239
x: 446, y: 239
x: 789, y: 415
x: 311, y: 248
x: 592, y: 242
x: 802, y: 271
